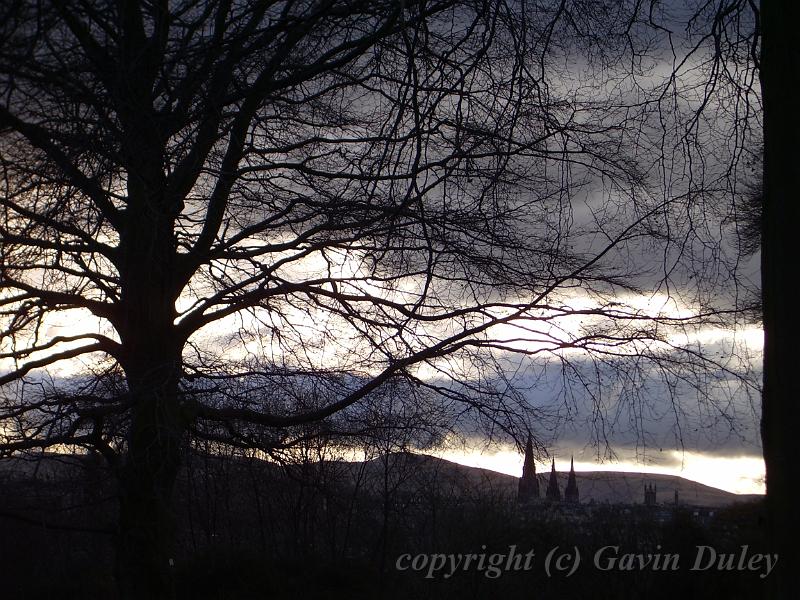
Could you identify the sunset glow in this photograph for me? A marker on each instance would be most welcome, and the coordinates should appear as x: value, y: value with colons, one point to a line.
x: 739, y: 475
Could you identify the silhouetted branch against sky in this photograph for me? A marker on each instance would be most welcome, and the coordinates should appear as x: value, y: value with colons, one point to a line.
x: 302, y: 203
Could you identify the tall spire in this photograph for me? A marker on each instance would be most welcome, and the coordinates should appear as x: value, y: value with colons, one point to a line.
x: 650, y: 494
x: 528, y: 483
x: 571, y: 492
x: 553, y: 491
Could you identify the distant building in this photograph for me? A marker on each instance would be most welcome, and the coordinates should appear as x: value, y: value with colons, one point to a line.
x: 553, y: 491
x: 528, y: 483
x: 571, y: 495
x: 528, y: 490
x: 650, y: 494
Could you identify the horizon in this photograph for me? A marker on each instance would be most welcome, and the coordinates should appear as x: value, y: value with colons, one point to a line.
x: 740, y: 475
x: 716, y: 472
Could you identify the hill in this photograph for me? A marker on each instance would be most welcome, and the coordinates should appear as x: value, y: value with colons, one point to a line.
x: 613, y: 487
x: 414, y: 472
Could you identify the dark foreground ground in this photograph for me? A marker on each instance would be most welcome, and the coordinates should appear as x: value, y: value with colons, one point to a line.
x: 398, y: 527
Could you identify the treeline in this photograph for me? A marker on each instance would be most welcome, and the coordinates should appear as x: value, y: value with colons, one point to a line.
x: 313, y: 526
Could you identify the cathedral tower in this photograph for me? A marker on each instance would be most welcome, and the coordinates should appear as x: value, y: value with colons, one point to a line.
x: 571, y: 492
x: 650, y: 494
x: 528, y: 483
x: 553, y: 491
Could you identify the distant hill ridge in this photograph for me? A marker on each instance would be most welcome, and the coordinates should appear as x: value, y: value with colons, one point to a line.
x: 598, y: 486
x: 421, y: 469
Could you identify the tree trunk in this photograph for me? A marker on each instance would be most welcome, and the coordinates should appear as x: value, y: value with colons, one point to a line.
x: 780, y: 65
x: 147, y: 479
x: 152, y: 364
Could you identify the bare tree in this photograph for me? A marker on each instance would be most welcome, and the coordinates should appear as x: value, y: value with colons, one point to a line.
x: 240, y: 218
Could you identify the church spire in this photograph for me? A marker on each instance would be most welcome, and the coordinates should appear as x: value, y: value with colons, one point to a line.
x: 650, y: 494
x: 528, y: 483
x: 553, y: 491
x: 571, y: 492
x: 529, y: 468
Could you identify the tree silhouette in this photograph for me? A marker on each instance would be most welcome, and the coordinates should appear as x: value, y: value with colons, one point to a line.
x: 242, y: 218
x: 780, y: 64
